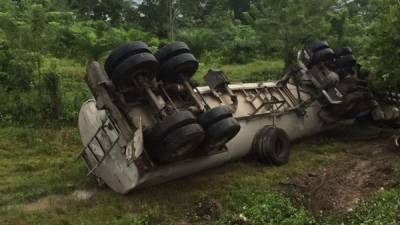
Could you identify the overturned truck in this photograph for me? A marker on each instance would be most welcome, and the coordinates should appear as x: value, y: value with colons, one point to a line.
x: 149, y: 122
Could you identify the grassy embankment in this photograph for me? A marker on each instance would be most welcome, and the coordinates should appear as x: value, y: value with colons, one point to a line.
x: 39, y: 173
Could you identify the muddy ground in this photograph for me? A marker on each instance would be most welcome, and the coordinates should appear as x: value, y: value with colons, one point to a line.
x: 337, y: 188
x: 367, y: 167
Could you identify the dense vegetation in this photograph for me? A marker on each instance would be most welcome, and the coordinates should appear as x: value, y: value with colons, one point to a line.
x: 45, y: 44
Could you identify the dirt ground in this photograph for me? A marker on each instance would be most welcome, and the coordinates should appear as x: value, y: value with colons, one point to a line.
x: 341, y: 185
x: 337, y: 188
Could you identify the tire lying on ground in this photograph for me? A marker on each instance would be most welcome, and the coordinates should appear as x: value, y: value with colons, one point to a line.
x: 129, y: 61
x: 181, y: 126
x: 272, y: 145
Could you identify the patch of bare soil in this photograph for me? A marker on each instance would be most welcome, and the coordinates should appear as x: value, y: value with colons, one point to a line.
x: 49, y: 201
x: 338, y: 187
x: 203, y: 212
x: 41, y: 204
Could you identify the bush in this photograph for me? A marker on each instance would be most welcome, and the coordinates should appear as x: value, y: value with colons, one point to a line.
x: 255, y: 207
x: 259, y: 70
x: 238, y: 44
x: 54, y: 98
x: 383, y: 209
x: 224, y: 36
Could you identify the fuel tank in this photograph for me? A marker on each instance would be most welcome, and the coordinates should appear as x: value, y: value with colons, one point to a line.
x: 122, y: 174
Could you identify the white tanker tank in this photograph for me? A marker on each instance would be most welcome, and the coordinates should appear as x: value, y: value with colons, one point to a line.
x: 149, y: 122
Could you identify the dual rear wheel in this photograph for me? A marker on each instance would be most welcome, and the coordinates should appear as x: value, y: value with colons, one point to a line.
x: 174, y: 137
x: 172, y: 63
x: 220, y: 127
x: 177, y: 63
x: 130, y: 61
x: 182, y: 133
x: 342, y: 58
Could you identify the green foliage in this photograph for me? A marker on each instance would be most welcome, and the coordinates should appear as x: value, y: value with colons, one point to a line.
x: 288, y: 25
x: 256, y: 207
x: 114, y: 11
x: 225, y: 36
x: 37, y: 162
x: 384, y: 37
x: 238, y: 34
x: 259, y: 70
x: 92, y: 40
x: 383, y: 209
x: 35, y: 86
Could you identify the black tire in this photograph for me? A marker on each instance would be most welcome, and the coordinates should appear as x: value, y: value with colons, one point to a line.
x: 272, y: 145
x: 356, y: 96
x: 169, y: 124
x: 323, y: 55
x: 180, y: 67
x: 221, y: 132
x: 214, y: 115
x: 171, y: 50
x: 317, y: 46
x: 362, y: 108
x: 346, y: 61
x: 178, y: 143
x: 256, y: 146
x: 142, y: 63
x: 343, y: 51
x: 123, y: 52
x: 348, y: 107
x: 347, y: 85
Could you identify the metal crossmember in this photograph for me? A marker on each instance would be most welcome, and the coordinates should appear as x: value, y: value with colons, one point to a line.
x: 272, y: 101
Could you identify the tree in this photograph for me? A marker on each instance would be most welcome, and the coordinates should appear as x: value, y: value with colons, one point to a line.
x: 289, y: 24
x: 239, y: 7
x: 116, y: 12
x: 382, y: 51
x: 155, y: 17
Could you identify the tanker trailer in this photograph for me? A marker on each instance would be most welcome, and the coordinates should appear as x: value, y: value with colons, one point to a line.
x: 149, y: 122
